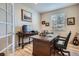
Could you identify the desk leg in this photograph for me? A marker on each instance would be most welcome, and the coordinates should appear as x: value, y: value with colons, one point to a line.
x: 19, y: 41
x: 22, y: 42
x: 29, y: 40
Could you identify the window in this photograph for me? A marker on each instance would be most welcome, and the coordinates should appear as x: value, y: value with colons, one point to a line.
x: 58, y: 22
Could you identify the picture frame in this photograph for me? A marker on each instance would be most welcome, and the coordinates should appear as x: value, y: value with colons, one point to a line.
x: 71, y: 21
x: 43, y: 22
x: 47, y: 24
x: 26, y: 15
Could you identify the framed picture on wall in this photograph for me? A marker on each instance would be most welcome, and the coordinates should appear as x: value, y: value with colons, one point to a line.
x: 26, y: 15
x: 71, y: 21
x: 47, y: 23
x: 43, y: 22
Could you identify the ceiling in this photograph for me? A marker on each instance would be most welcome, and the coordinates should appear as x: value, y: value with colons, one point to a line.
x: 45, y: 7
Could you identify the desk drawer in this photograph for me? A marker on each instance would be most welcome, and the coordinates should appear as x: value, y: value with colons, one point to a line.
x: 41, y: 47
x: 41, y: 43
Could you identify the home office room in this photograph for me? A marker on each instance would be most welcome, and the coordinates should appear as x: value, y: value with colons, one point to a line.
x: 39, y: 29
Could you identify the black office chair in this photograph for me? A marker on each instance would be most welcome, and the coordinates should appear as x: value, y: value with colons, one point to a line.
x: 61, y: 43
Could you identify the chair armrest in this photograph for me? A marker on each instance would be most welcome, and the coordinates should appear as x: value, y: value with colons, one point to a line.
x: 61, y: 37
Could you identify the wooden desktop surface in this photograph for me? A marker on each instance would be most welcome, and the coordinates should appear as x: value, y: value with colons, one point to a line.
x: 45, y: 38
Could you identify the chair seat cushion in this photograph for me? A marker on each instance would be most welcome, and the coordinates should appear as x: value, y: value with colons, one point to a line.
x: 61, y: 42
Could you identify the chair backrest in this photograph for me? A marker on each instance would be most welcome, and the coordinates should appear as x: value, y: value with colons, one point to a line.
x: 67, y: 39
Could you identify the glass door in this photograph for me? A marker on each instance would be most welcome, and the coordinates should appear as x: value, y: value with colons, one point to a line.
x: 6, y: 28
x: 2, y: 27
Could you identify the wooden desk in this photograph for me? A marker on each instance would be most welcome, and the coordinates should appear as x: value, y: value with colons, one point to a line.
x: 21, y: 35
x: 42, y: 45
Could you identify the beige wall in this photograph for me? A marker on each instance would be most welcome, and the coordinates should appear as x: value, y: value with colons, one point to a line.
x: 35, y: 17
x: 35, y: 24
x: 71, y: 11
